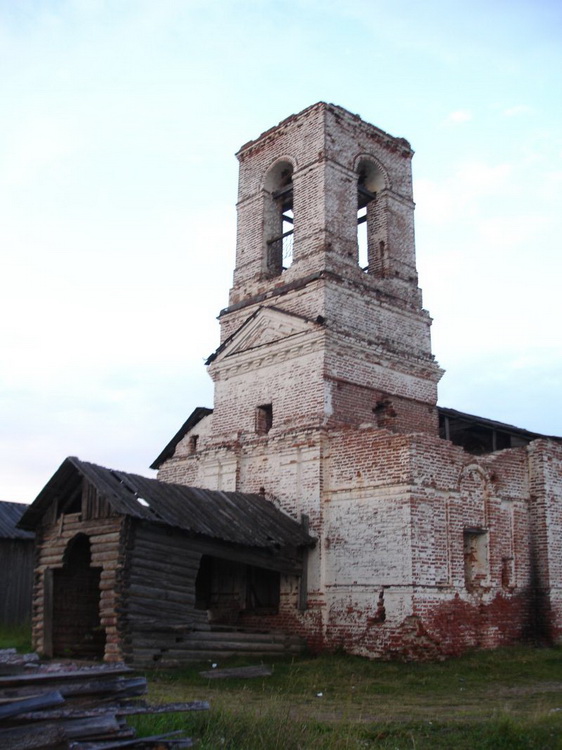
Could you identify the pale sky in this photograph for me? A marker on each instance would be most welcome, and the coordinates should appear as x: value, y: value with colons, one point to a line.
x: 119, y: 120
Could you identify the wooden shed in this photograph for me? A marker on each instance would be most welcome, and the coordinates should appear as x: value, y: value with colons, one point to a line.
x: 16, y: 566
x: 155, y: 573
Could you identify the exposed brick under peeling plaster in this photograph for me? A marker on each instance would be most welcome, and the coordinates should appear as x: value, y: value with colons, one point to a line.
x: 343, y: 357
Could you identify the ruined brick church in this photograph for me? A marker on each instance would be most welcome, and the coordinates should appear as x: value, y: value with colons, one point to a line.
x: 325, y: 401
x: 425, y: 531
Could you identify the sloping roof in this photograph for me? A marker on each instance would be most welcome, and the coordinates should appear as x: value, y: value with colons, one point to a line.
x: 194, y: 418
x: 470, y: 420
x: 238, y: 518
x: 10, y: 514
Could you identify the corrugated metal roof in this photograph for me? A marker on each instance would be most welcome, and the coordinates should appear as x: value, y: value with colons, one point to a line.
x: 235, y: 517
x: 10, y: 514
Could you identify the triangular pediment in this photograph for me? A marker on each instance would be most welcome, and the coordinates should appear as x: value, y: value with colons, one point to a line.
x: 265, y: 327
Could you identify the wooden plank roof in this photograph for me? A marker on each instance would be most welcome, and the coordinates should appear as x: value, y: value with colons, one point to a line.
x: 10, y: 514
x: 235, y: 517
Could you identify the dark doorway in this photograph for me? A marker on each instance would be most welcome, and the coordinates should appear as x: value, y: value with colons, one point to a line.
x: 77, y: 630
x: 227, y: 589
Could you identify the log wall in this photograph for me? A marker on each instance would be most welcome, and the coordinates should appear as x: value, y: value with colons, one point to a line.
x: 158, y: 602
x: 106, y: 553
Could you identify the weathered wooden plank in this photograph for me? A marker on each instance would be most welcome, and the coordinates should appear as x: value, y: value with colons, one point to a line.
x: 90, y: 526
x: 136, y: 606
x: 153, y: 625
x: 163, y: 593
x: 152, y: 534
x: 21, y: 706
x: 231, y: 646
x: 182, y: 591
x: 150, y: 659
x: 155, y: 569
x: 57, y: 675
x: 117, y: 709
x: 106, y: 537
x: 32, y: 738
x: 180, y: 580
x: 237, y: 673
x: 102, y: 726
x: 152, y: 542
x: 160, y: 741
x: 172, y: 611
x: 104, y: 557
x: 161, y: 556
x: 93, y: 727
x: 117, y: 686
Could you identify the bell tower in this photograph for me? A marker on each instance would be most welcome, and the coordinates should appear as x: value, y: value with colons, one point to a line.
x: 303, y: 184
x: 325, y: 326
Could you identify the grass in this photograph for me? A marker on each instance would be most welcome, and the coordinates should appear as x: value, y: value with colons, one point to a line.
x: 510, y: 698
x: 16, y: 636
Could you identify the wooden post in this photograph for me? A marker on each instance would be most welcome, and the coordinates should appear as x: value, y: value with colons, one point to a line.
x: 48, y: 612
x: 303, y: 583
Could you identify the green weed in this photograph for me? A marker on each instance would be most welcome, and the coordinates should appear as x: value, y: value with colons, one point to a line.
x: 509, y: 698
x: 16, y: 636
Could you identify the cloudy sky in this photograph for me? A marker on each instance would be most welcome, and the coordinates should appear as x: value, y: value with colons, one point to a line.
x: 118, y: 124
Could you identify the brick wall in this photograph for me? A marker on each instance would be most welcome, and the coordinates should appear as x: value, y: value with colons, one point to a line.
x: 422, y: 549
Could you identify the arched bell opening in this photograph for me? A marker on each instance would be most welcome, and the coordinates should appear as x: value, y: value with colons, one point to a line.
x: 371, y: 244
x: 279, y: 218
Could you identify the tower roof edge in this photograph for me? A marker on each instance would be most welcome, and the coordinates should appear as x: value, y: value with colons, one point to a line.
x: 326, y: 106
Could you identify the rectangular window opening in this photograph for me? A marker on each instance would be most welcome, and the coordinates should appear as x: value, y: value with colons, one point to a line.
x: 476, y: 558
x: 264, y: 419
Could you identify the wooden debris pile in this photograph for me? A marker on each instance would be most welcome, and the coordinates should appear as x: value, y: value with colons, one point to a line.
x: 65, y: 706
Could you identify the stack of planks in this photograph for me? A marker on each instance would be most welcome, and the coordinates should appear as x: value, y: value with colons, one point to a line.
x: 65, y: 706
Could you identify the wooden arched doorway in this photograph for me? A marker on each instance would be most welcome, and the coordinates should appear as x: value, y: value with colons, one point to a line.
x: 76, y: 627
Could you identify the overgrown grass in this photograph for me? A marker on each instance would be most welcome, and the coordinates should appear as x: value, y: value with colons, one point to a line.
x: 511, y: 698
x: 16, y: 636
x: 273, y: 731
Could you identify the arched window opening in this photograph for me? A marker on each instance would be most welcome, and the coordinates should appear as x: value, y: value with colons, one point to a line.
x: 370, y: 181
x: 364, y: 197
x: 279, y: 218
x: 77, y: 554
